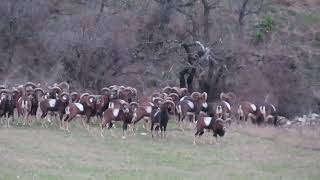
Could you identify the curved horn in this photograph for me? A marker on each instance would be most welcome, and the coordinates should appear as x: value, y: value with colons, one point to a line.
x: 128, y: 90
x: 83, y: 95
x: 21, y: 90
x: 183, y: 92
x: 14, y: 90
x: 155, y: 95
x: 64, y: 86
x: 64, y: 97
x: 157, y: 101
x: 90, y: 100
x: 170, y: 102
x: 57, y: 89
x: 105, y: 91
x: 2, y: 87
x: 174, y: 96
x: 219, y: 120
x: 166, y: 89
x: 36, y: 90
x: 75, y: 96
x: 195, y: 95
x: 175, y: 90
x: 30, y: 84
x: 164, y: 95
x: 227, y: 96
x: 4, y: 91
x: 231, y: 94
x: 113, y: 87
x: 133, y: 105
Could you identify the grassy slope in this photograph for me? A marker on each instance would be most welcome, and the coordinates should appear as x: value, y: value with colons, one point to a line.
x: 35, y: 153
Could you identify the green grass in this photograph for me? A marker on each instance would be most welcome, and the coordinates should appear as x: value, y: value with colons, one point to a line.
x: 37, y: 153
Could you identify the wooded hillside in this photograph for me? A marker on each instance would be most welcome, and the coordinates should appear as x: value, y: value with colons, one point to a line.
x: 259, y: 47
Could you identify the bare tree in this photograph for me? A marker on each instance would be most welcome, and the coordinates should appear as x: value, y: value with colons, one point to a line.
x: 188, y: 10
x: 208, y: 6
x: 247, y: 8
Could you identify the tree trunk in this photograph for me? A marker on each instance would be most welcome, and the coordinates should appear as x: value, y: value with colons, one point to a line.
x: 242, y: 15
x: 206, y: 25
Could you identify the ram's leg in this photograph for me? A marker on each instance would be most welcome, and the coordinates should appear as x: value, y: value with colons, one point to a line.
x: 24, y: 117
x: 151, y: 129
x: 181, y: 122
x: 124, y: 130
x: 8, y: 122
x: 102, y: 131
x: 88, y: 124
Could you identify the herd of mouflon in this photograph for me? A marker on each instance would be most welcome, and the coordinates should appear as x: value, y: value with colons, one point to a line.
x: 123, y: 104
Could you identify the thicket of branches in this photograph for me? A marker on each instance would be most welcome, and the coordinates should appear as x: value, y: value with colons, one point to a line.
x: 259, y: 47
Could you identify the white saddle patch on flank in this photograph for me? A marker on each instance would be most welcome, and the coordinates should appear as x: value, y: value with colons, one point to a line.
x: 2, y: 96
x: 207, y: 120
x: 219, y: 109
x: 79, y: 106
x: 262, y: 109
x: 190, y: 104
x: 67, y: 110
x: 254, y: 107
x: 179, y: 109
x: 52, y: 103
x: 156, y: 114
x: 184, y: 97
x: 115, y: 112
x: 227, y: 104
x: 240, y: 111
x: 111, y: 105
x: 148, y: 109
x: 204, y: 105
x: 273, y: 107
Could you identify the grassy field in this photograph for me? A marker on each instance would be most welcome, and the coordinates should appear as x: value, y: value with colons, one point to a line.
x: 244, y: 153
